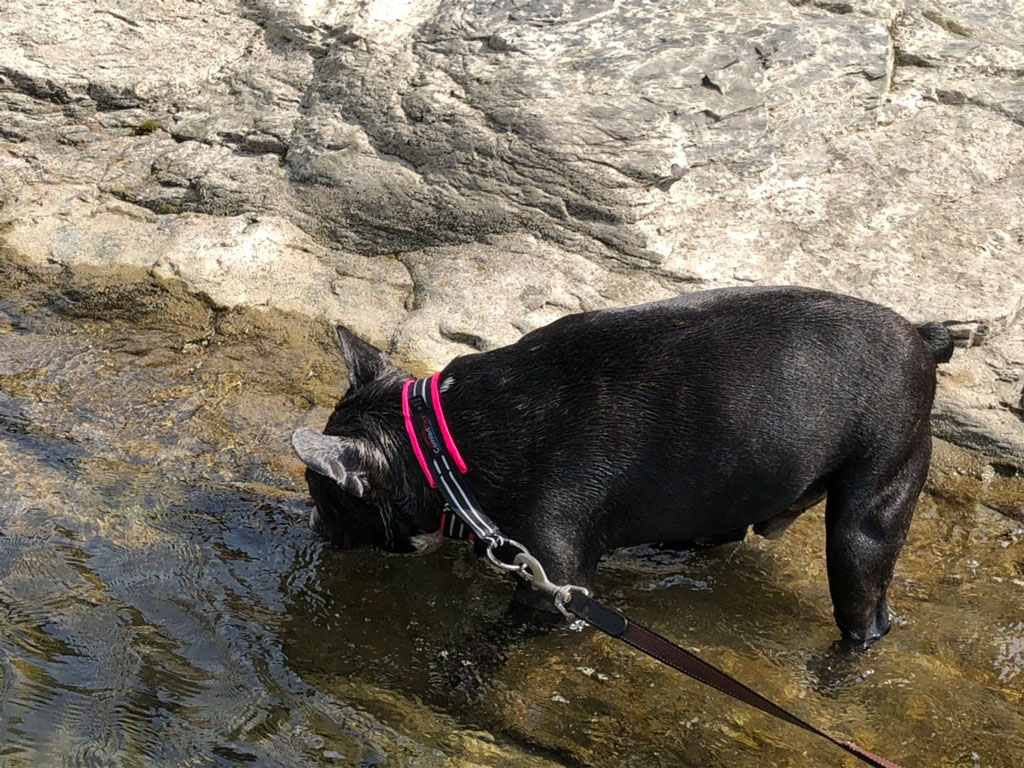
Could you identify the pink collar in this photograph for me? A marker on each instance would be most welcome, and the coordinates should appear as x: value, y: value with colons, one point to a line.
x: 419, y: 389
x: 427, y: 428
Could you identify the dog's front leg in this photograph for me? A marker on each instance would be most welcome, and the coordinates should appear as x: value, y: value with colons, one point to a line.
x: 466, y: 670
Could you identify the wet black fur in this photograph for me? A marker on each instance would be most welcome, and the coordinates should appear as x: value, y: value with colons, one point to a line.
x: 688, y: 419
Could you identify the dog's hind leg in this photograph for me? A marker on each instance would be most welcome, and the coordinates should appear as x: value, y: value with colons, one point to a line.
x: 870, y: 504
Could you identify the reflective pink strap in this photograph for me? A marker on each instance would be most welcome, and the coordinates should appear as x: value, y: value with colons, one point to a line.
x: 412, y: 433
x: 436, y: 397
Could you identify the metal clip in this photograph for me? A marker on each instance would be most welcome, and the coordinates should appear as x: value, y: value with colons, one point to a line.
x: 533, y: 572
x: 528, y: 568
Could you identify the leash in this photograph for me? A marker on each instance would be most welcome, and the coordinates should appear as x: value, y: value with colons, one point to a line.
x: 426, y: 426
x: 614, y: 624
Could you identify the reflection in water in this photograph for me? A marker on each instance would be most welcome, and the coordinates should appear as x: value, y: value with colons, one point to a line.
x: 161, y: 602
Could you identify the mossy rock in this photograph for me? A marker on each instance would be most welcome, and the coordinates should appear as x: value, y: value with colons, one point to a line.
x: 146, y: 128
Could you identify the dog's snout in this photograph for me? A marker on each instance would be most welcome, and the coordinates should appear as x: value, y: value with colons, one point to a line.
x: 319, y: 525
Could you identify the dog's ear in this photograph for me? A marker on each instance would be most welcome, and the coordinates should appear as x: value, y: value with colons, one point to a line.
x: 364, y: 361
x: 347, y: 461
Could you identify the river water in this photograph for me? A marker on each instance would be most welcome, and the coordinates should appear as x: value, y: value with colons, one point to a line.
x: 163, y: 604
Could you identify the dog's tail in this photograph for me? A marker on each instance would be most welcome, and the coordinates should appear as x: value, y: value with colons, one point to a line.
x: 938, y: 339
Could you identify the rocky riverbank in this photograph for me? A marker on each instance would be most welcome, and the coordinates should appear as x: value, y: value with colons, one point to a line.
x: 443, y: 175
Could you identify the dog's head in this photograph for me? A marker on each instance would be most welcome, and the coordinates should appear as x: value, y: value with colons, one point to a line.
x: 364, y: 483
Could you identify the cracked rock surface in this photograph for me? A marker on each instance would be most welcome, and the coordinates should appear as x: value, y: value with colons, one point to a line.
x: 443, y: 175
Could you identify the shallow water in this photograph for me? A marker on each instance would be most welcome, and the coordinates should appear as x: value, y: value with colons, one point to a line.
x: 163, y: 604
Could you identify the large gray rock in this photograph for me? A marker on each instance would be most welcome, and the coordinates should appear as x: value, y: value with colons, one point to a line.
x: 444, y: 175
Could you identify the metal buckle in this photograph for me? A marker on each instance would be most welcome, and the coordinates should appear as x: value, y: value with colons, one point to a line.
x: 528, y: 568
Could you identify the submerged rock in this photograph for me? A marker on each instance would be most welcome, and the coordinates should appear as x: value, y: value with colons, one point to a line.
x: 444, y: 175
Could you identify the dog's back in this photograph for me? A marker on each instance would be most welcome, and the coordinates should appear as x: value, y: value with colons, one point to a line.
x: 765, y: 389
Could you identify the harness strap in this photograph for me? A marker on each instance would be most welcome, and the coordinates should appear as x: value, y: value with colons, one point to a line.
x: 613, y: 623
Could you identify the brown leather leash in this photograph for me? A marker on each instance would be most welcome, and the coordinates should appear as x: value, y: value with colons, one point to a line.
x: 614, y: 624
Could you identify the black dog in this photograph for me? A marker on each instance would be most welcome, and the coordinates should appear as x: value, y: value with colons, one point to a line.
x: 683, y: 420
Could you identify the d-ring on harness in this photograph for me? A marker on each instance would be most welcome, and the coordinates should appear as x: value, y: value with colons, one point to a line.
x: 443, y: 466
